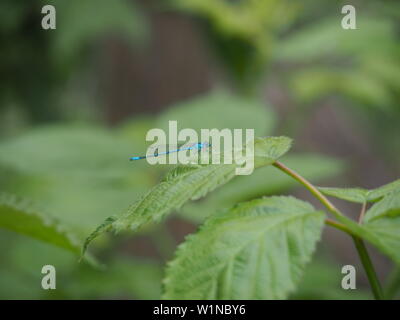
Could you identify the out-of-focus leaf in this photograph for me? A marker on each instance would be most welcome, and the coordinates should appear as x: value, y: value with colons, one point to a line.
x: 81, y: 175
x: 383, y: 68
x: 188, y: 182
x: 22, y: 262
x: 135, y: 129
x: 315, y: 83
x: 19, y: 217
x: 321, y: 282
x: 66, y: 150
x: 242, y: 33
x: 257, y: 250
x: 123, y: 279
x: 359, y: 64
x: 220, y: 110
x: 327, y: 37
x: 78, y: 27
x: 245, y: 18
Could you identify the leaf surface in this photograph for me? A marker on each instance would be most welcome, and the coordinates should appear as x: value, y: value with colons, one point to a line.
x: 256, y: 250
x: 360, y: 195
x: 381, y: 226
x: 19, y: 217
x: 211, y: 110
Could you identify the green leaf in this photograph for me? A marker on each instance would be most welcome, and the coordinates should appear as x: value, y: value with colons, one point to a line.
x: 366, y: 79
x: 241, y: 32
x: 22, y: 260
x: 129, y: 278
x: 357, y: 195
x: 78, y: 28
x: 79, y: 174
x: 388, y: 206
x: 384, y: 233
x: 320, y: 282
x: 188, y: 182
x: 384, y: 190
x: 247, y: 19
x: 382, y: 220
x: 381, y: 226
x: 256, y: 250
x: 327, y: 35
x: 66, y: 150
x: 360, y: 195
x: 210, y: 110
x: 19, y: 217
x: 315, y: 83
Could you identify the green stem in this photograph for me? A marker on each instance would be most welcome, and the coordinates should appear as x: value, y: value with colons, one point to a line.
x: 393, y: 284
x: 362, y: 213
x: 339, y: 226
x: 314, y: 191
x: 359, y: 243
x: 369, y: 268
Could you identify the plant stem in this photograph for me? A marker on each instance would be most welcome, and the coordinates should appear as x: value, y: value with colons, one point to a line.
x: 362, y: 213
x: 314, y: 191
x: 359, y: 243
x: 369, y: 268
x: 338, y: 225
x: 393, y: 284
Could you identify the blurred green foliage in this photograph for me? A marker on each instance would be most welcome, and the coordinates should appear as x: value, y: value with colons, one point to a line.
x: 36, y: 64
x: 320, y: 282
x: 254, y: 39
x: 79, y: 174
x: 345, y: 62
x: 242, y: 33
